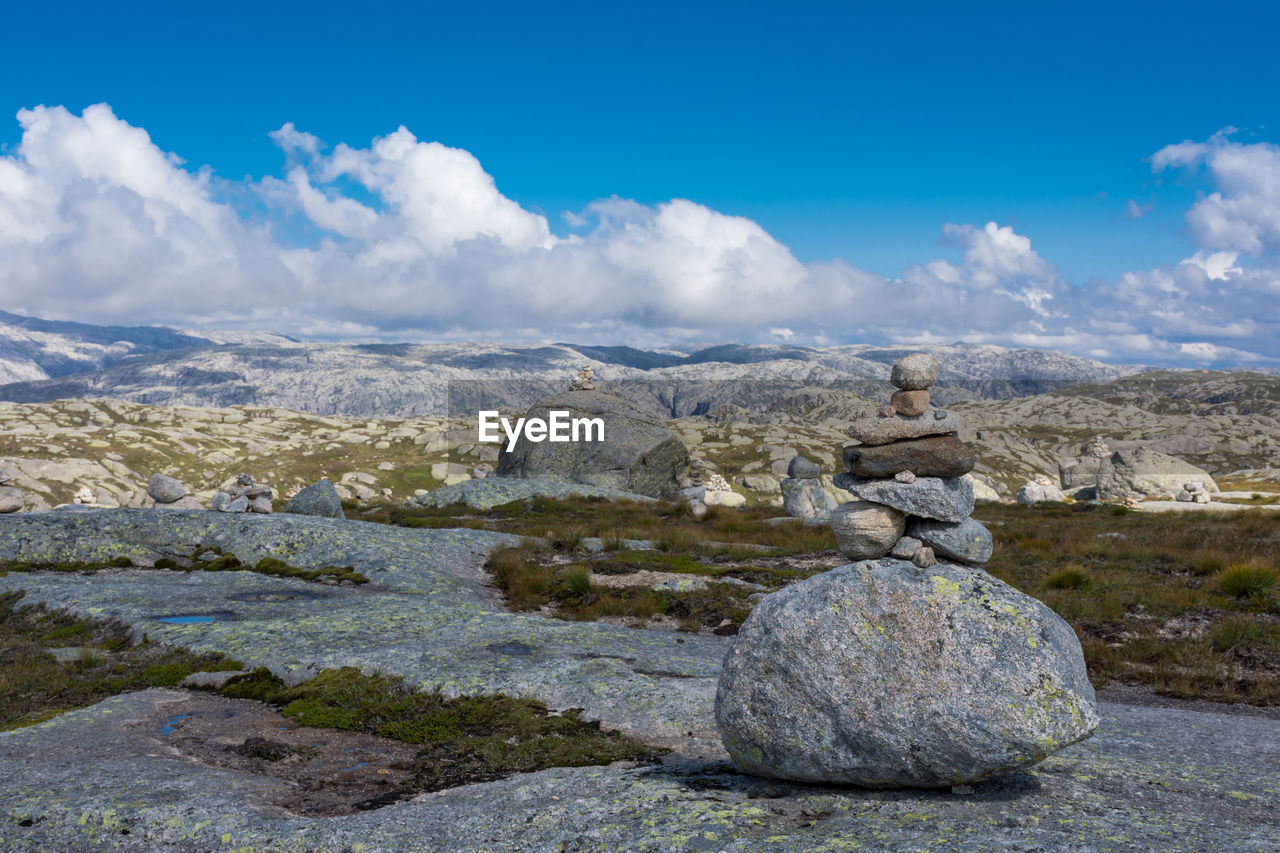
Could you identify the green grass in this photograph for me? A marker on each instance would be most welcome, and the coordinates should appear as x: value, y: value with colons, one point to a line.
x: 35, y: 687
x: 462, y: 740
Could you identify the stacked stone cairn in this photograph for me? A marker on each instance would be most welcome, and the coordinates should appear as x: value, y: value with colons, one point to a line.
x: 1193, y: 492
x: 908, y: 470
x: 802, y: 492
x: 910, y: 667
x: 245, y: 496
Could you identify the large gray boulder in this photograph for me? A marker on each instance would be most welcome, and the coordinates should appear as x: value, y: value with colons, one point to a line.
x: 945, y: 499
x: 883, y: 675
x: 11, y: 499
x: 1142, y: 473
x: 1035, y: 493
x: 320, y: 498
x: 165, y: 490
x: 805, y: 498
x: 638, y: 453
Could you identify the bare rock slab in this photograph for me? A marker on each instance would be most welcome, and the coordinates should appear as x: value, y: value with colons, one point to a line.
x: 968, y: 541
x: 943, y: 499
x: 884, y: 430
x: 985, y: 679
x: 936, y: 456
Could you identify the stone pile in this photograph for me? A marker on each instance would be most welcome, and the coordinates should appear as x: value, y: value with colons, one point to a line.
x: 245, y: 496
x: 802, y: 492
x: 911, y: 667
x: 1040, y: 490
x: 908, y: 470
x: 1193, y: 492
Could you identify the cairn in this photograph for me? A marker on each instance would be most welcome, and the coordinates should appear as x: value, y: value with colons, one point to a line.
x: 1193, y: 492
x: 245, y: 496
x: 802, y: 493
x: 882, y: 675
x: 584, y: 381
x: 908, y: 470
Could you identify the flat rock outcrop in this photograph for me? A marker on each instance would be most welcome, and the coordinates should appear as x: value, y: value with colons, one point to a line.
x: 984, y: 679
x: 1142, y: 472
x: 494, y: 491
x: 638, y: 454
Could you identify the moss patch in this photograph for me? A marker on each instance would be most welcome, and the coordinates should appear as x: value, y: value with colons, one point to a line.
x: 462, y: 740
x: 35, y: 686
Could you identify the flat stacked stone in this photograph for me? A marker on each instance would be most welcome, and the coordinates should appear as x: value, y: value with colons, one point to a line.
x: 908, y: 470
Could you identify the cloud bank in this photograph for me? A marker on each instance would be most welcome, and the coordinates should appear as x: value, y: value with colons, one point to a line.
x: 406, y: 239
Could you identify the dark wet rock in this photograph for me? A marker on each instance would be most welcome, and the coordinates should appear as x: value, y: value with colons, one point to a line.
x: 985, y: 679
x: 494, y: 491
x: 638, y: 454
x: 936, y: 456
x: 320, y: 498
x: 927, y: 497
x: 968, y: 541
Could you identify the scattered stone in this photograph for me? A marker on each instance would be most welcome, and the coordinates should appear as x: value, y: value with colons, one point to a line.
x: 907, y: 477
x: 11, y: 499
x: 866, y: 531
x: 884, y: 430
x: 1034, y: 493
x: 905, y: 547
x: 219, y: 501
x: 85, y: 495
x: 261, y: 505
x: 912, y: 404
x: 165, y: 490
x: 949, y: 499
x: 936, y: 456
x: 244, y: 481
x: 967, y: 541
x: 997, y: 680
x: 923, y: 558
x: 801, y: 468
x: 914, y: 372
x: 320, y: 498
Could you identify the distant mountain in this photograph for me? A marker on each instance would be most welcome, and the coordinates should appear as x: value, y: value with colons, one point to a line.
x: 1190, y: 392
x: 35, y: 349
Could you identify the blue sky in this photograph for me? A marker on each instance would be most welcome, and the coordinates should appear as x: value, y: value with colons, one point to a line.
x: 844, y: 131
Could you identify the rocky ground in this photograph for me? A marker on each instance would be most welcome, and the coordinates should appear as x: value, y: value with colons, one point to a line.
x: 132, y: 773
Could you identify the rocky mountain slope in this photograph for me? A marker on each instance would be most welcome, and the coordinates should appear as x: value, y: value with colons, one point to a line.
x: 32, y: 349
x: 402, y: 380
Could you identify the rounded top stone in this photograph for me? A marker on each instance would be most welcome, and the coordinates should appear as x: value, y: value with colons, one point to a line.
x: 801, y: 468
x: 914, y: 372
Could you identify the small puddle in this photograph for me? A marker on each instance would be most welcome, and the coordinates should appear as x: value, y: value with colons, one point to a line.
x: 355, y: 766
x: 194, y: 618
x: 170, y: 725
